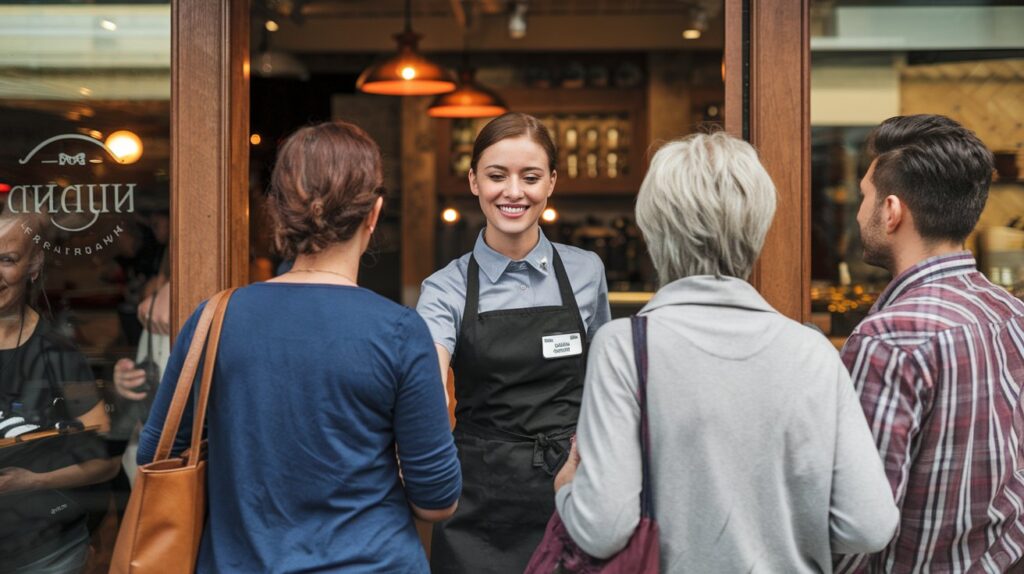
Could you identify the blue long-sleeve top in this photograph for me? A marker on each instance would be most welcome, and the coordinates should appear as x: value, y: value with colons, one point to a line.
x: 315, y: 389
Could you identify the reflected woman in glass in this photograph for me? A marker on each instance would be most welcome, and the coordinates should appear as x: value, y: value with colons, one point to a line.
x: 45, y: 386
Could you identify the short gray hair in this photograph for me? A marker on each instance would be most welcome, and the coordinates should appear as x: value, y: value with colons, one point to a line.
x: 705, y: 207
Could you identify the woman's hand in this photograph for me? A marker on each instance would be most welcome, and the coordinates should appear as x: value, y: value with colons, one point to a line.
x: 160, y: 301
x: 127, y: 379
x: 568, y: 471
x: 15, y: 479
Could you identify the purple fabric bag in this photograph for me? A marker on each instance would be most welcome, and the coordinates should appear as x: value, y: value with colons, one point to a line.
x: 558, y: 553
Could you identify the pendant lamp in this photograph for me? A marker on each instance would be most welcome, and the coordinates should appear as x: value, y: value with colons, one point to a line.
x: 407, y: 73
x: 469, y: 100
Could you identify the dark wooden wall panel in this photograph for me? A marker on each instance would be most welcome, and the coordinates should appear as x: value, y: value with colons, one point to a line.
x: 209, y: 150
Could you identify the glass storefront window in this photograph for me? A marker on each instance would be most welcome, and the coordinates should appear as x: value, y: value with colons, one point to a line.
x: 84, y: 286
x: 874, y: 60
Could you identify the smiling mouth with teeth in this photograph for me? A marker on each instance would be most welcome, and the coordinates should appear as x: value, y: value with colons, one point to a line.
x: 514, y: 209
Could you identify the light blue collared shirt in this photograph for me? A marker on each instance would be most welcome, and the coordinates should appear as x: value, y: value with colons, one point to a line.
x: 508, y: 284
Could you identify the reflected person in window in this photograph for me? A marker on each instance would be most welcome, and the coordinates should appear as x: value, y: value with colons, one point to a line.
x: 45, y: 383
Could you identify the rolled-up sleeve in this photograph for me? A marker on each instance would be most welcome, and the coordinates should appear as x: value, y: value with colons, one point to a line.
x: 601, y: 506
x: 430, y: 465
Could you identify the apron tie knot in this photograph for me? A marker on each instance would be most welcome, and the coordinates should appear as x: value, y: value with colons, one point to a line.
x: 548, y: 453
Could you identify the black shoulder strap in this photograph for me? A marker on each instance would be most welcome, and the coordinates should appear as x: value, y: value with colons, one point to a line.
x: 639, y: 324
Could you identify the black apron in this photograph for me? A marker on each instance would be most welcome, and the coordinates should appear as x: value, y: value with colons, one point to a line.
x: 515, y: 414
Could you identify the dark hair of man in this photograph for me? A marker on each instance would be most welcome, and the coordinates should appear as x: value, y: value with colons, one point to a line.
x: 513, y: 125
x: 326, y: 181
x: 938, y: 168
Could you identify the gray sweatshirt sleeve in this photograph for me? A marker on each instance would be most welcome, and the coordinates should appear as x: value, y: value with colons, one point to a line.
x: 601, y: 506
x: 863, y: 516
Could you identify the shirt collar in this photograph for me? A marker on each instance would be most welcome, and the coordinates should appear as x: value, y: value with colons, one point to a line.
x: 931, y: 269
x: 709, y: 290
x: 494, y: 264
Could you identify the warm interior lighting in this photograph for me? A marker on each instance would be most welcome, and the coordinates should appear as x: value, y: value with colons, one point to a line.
x: 469, y: 100
x: 691, y: 34
x: 549, y: 215
x: 125, y: 146
x: 407, y: 73
x: 96, y: 134
x: 108, y: 25
x: 271, y: 26
x: 85, y: 91
x: 255, y: 139
x: 450, y: 215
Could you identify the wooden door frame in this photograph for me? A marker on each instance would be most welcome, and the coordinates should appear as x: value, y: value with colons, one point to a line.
x: 768, y: 71
x: 767, y: 56
x: 209, y: 241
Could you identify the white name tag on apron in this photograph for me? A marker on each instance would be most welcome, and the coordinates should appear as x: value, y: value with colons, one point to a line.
x: 558, y: 346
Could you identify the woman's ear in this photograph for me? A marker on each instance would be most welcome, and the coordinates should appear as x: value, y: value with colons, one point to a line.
x: 554, y: 178
x: 35, y: 265
x: 374, y: 215
x: 472, y: 183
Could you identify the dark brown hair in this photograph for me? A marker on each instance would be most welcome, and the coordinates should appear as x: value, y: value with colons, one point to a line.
x: 513, y: 125
x: 939, y: 168
x: 325, y: 183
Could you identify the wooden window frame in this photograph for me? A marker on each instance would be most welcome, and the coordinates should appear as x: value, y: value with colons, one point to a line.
x: 209, y: 151
x: 767, y: 57
x: 767, y: 67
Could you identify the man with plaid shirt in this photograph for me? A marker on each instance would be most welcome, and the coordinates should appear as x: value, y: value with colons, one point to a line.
x: 939, y: 361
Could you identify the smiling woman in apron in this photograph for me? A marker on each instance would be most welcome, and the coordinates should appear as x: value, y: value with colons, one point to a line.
x: 514, y: 328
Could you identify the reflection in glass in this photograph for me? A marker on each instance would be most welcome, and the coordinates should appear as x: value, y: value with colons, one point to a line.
x: 84, y: 285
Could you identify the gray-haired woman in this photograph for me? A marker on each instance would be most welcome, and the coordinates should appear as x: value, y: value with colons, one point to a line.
x: 761, y: 456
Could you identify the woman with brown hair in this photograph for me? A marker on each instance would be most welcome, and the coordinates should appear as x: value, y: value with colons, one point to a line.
x: 514, y: 328
x: 317, y: 384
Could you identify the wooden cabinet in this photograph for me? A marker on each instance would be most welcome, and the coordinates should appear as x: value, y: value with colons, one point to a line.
x: 601, y: 135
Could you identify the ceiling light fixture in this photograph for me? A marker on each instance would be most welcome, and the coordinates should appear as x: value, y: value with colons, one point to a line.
x: 407, y: 73
x: 469, y: 100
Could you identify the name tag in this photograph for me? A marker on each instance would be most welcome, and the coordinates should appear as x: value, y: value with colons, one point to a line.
x: 558, y: 346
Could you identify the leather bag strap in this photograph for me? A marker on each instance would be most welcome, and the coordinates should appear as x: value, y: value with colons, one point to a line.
x: 188, y: 375
x: 209, y: 360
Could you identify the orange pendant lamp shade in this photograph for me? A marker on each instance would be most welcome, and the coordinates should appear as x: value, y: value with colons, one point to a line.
x: 469, y: 100
x: 407, y: 73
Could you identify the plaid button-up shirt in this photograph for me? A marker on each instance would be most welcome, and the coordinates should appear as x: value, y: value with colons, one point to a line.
x: 939, y: 365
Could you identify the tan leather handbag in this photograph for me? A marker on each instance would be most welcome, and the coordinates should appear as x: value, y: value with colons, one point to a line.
x: 163, y: 522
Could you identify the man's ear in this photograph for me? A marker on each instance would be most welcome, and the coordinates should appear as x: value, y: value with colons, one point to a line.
x: 894, y: 213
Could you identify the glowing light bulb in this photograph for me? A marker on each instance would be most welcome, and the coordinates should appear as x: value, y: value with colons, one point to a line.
x: 408, y: 72
x: 549, y: 215
x: 271, y: 26
x: 691, y: 34
x: 255, y: 139
x: 108, y: 25
x: 125, y: 146
x: 450, y: 215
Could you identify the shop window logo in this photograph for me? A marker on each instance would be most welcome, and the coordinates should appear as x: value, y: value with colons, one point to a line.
x: 71, y: 207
